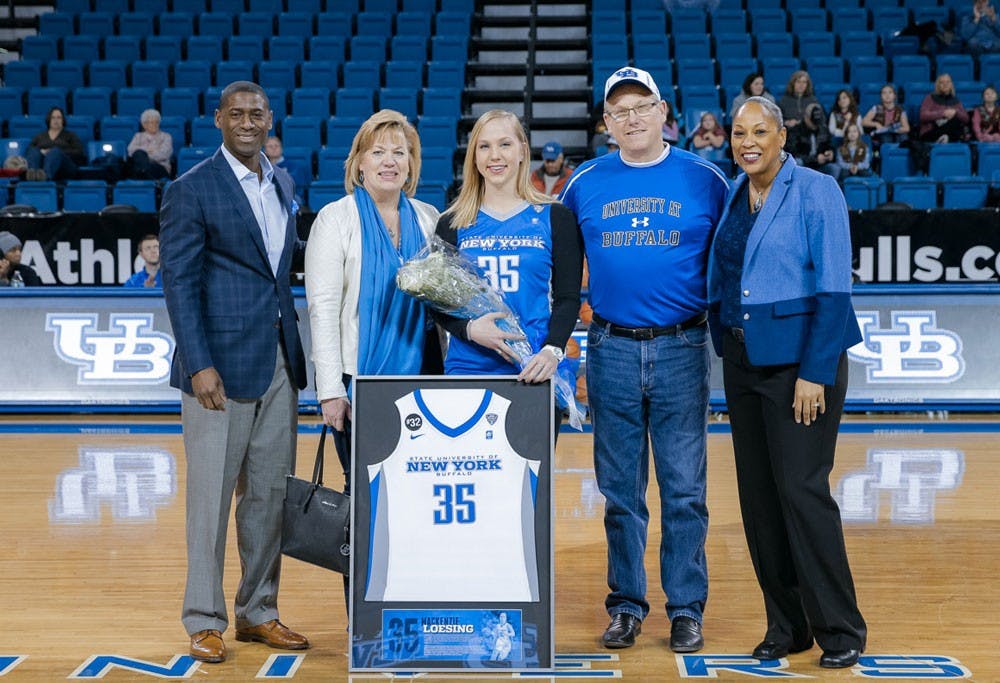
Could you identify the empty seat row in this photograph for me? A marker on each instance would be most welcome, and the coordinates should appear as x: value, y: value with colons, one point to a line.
x: 269, y: 6
x: 86, y: 195
x: 955, y: 192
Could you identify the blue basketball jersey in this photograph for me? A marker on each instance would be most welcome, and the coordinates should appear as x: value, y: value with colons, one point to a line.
x: 514, y: 252
x: 646, y: 232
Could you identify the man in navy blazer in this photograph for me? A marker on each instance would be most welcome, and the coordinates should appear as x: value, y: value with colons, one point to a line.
x: 228, y: 244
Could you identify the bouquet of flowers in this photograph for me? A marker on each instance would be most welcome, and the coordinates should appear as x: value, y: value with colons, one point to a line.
x: 443, y: 278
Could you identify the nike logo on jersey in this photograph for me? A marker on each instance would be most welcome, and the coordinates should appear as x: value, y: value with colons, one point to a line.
x: 415, y: 436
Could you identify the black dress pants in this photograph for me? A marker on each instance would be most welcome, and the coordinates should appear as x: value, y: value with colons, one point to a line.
x: 791, y: 521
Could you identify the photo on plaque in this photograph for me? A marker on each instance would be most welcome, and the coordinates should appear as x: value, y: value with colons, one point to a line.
x: 451, y: 526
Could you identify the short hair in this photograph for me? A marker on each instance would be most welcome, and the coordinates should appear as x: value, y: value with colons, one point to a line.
x: 380, y: 122
x: 770, y: 109
x: 149, y: 236
x: 242, y: 86
x: 149, y: 115
x: 796, y: 75
x: 53, y: 110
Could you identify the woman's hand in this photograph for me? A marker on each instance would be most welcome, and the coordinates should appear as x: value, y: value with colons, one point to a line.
x: 540, y: 368
x: 335, y: 412
x: 484, y: 331
x: 809, y: 401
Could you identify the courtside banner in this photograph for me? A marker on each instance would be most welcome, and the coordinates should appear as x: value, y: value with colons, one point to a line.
x: 451, y: 528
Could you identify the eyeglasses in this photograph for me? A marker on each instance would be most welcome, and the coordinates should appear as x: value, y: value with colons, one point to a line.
x: 641, y: 110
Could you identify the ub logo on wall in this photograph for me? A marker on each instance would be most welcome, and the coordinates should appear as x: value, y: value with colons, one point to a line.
x: 911, y: 349
x: 129, y: 351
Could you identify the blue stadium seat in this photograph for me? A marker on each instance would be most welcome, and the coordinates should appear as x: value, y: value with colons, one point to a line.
x: 650, y: 47
x: 964, y: 192
x: 151, y: 74
x: 73, y: 6
x: 266, y: 6
x: 25, y: 126
x: 817, y: 44
x: 204, y: 133
x: 409, y: 48
x: 276, y: 74
x: 441, y: 102
x: 125, y: 48
x: 134, y: 101
x: 907, y: 68
x: 869, y: 94
x: 699, y: 98
x: 445, y: 48
x: 22, y: 74
x: 373, y: 24
x: 959, y: 67
x: 687, y: 46
x: 135, y: 24
x: 40, y: 48
x: 950, y: 159
x: 403, y: 74
x: 779, y: 44
x: 83, y: 125
x: 65, y: 73
x: 195, y: 74
x: 260, y: 24
x: 445, y: 75
x: 41, y: 100
x: 178, y: 24
x: 762, y: 4
x: 112, y: 6
x: 887, y: 20
x: 323, y: 192
x: 182, y: 101
x: 864, y: 193
x: 216, y: 24
x: 438, y: 131
x: 844, y: 19
x: 777, y: 71
x: 187, y: 157
x: 989, y: 68
x: 43, y: 195
x: 425, y: 6
x: 340, y: 130
x: 940, y: 15
x: 357, y: 102
x: 989, y: 159
x: 286, y: 48
x: 368, y: 49
x: 694, y: 71
x: 434, y: 194
x: 57, y: 24
x: 244, y: 48
x: 733, y: 46
x: 466, y: 6
x: 11, y: 102
x: 85, y: 47
x: 611, y: 47
x: 231, y: 7
x: 189, y: 6
x: 278, y: 99
x: 858, y: 44
x: 825, y: 70
x: 608, y: 23
x: 384, y: 6
x: 361, y: 74
x: 403, y: 100
x: 733, y: 71
x: 176, y: 127
x: 896, y: 162
x: 969, y: 93
x: 303, y: 158
x: 330, y: 162
x: 85, y: 195
x: 327, y: 48
x: 121, y: 128
x: 334, y: 24
x: 808, y: 20
x: 96, y: 23
x: 301, y: 131
x: 204, y: 49
x: 453, y: 24
x: 319, y: 74
x: 917, y: 191
x: 138, y: 193
x: 163, y: 48
x: 688, y: 21
x: 768, y: 20
x: 107, y: 74
x: 414, y: 24
x: 296, y: 24
x: 729, y: 21
x: 155, y: 7
x: 228, y: 71
x: 436, y: 165
x: 312, y: 102
x: 867, y: 69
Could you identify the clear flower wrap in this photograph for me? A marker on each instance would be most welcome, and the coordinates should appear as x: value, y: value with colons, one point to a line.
x: 443, y: 278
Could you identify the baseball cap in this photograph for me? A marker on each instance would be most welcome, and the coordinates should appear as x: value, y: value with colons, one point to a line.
x: 630, y: 74
x: 551, y: 151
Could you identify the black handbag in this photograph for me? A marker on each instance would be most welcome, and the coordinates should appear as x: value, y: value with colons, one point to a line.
x: 317, y: 521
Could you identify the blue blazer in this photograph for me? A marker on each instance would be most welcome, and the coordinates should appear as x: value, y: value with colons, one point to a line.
x: 223, y: 300
x: 796, y: 282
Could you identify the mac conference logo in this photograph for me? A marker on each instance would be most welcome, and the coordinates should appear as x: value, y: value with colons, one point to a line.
x: 911, y: 349
x: 129, y: 351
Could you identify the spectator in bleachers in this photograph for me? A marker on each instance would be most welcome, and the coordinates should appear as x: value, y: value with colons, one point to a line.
x: 612, y: 144
x: 13, y: 273
x: 753, y: 86
x: 671, y: 127
x: 56, y: 153
x: 552, y: 175
x: 980, y: 29
x: 844, y: 113
x: 853, y: 156
x: 986, y: 117
x: 803, y: 116
x: 149, y: 275
x: 709, y: 138
x: 275, y: 153
x: 599, y: 140
x: 886, y: 121
x: 942, y: 116
x: 150, y: 150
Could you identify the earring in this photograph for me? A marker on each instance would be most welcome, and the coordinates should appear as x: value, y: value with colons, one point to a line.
x: 361, y: 177
x: 783, y: 156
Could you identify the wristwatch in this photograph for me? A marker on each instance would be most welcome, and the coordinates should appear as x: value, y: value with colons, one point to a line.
x: 556, y: 351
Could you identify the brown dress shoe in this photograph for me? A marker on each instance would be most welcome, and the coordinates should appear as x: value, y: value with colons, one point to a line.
x: 207, y: 646
x: 273, y: 634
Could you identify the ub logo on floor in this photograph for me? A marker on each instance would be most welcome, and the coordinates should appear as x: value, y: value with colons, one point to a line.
x: 912, y: 349
x: 129, y: 351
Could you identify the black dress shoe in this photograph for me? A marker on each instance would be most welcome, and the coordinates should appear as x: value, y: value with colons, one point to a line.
x: 839, y: 659
x: 622, y: 630
x: 685, y: 635
x: 772, y: 649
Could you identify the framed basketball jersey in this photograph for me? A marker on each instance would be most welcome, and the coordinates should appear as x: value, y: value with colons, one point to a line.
x: 451, y: 526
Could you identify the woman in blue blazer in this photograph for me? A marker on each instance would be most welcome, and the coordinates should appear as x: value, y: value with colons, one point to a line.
x: 781, y: 318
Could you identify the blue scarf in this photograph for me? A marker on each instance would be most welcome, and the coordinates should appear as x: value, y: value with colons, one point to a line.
x: 391, y: 324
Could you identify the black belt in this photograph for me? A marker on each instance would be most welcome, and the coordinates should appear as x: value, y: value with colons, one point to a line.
x: 650, y: 332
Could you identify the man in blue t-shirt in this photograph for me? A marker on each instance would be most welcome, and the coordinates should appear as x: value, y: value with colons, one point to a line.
x: 149, y: 275
x: 647, y: 214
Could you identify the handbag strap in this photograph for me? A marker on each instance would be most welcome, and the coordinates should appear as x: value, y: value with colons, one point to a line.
x: 317, y: 477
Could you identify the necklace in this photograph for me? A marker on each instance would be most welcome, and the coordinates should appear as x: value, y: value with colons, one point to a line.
x: 759, y: 202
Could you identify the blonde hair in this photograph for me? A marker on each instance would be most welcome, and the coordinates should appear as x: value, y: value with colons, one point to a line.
x: 385, y: 120
x: 465, y: 208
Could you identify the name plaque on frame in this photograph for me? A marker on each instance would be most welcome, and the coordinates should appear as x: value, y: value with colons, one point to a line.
x: 451, y: 565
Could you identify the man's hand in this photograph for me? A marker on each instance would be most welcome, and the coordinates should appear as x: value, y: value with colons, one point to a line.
x: 335, y: 412
x: 208, y: 389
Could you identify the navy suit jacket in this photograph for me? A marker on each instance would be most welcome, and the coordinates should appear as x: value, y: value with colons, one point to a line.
x: 223, y: 300
x: 796, y: 284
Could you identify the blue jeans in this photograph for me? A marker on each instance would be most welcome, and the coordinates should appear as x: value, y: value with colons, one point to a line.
x: 655, y: 391
x: 56, y: 163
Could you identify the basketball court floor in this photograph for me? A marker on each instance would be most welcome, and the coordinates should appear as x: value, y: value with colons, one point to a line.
x: 93, y: 569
